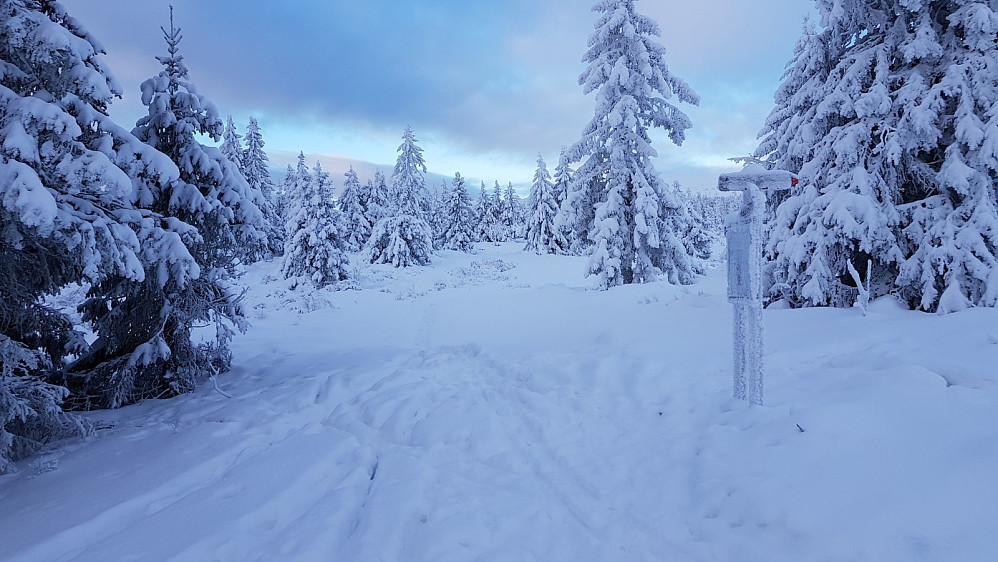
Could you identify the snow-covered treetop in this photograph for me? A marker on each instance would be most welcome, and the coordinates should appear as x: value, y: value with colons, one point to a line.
x: 627, y: 69
x: 214, y: 190
x: 255, y: 159
x: 410, y: 161
x: 254, y: 139
x: 175, y: 106
x: 352, y: 183
x: 232, y: 146
x: 322, y: 184
x: 408, y: 182
x: 302, y: 174
x: 174, y: 63
x: 541, y: 175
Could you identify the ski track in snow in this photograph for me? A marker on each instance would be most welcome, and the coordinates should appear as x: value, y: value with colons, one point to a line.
x: 498, y: 411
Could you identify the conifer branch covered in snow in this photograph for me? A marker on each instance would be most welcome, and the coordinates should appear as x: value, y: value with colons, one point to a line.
x: 887, y: 115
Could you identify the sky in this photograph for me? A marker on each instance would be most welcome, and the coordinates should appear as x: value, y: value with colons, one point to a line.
x: 486, y: 85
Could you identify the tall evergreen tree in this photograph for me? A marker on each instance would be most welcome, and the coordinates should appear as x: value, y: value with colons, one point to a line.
x: 297, y: 181
x: 492, y: 227
x: 408, y: 185
x: 379, y: 199
x: 232, y: 149
x: 232, y: 145
x: 633, y: 241
x: 284, y: 193
x: 437, y: 216
x: 542, y: 235
x: 512, y: 215
x: 563, y: 224
x: 257, y: 174
x: 145, y: 345
x: 483, y: 210
x: 891, y: 135
x: 316, y: 248
x: 459, y: 233
x: 69, y: 178
x: 404, y: 238
x: 255, y: 161
x: 357, y: 229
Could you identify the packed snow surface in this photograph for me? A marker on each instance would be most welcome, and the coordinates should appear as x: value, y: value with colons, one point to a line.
x: 492, y: 407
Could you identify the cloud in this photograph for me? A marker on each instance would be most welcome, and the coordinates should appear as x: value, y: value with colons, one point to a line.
x: 490, y: 82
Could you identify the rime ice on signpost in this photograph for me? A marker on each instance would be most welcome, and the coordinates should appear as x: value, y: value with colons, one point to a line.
x: 743, y: 231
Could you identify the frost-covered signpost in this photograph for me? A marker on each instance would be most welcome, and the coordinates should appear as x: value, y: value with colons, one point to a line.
x: 743, y: 231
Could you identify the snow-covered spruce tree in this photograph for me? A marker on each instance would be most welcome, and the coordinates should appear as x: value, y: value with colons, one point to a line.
x: 256, y: 169
x: 379, y: 199
x: 357, y: 229
x: 562, y: 186
x: 232, y: 145
x: 316, y: 250
x: 404, y: 238
x: 894, y: 147
x: 145, y: 345
x: 176, y: 114
x: 843, y: 209
x: 633, y: 241
x: 232, y: 149
x: 562, y: 176
x: 297, y: 180
x: 408, y: 184
x: 492, y: 227
x: 257, y: 173
x: 68, y: 179
x: 283, y: 196
x: 438, y: 218
x: 483, y: 208
x: 512, y: 215
x: 542, y: 235
x: 459, y: 233
x: 502, y: 229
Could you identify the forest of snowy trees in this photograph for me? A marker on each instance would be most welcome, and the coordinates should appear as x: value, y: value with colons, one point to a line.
x: 887, y: 113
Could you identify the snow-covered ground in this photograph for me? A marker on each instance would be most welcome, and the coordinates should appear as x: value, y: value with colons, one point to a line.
x: 491, y: 407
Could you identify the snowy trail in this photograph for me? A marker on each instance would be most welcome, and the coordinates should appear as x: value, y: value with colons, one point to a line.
x: 503, y: 454
x: 489, y: 408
